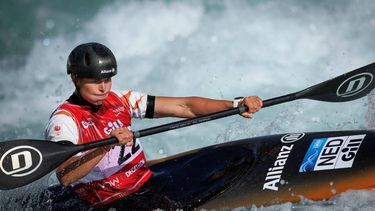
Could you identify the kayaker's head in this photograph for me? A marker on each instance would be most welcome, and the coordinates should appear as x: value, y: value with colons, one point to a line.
x: 91, y: 66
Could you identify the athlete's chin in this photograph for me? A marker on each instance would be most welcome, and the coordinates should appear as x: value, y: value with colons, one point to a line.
x: 98, y: 99
x: 98, y: 102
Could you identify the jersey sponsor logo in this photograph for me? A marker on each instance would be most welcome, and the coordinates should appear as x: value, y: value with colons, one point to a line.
x: 273, y: 176
x: 20, y: 161
x: 112, y: 126
x: 135, y: 168
x: 119, y: 110
x: 331, y: 153
x: 87, y: 123
x: 354, y: 85
x: 110, y: 183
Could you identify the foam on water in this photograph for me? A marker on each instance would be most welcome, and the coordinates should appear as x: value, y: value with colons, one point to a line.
x: 216, y: 49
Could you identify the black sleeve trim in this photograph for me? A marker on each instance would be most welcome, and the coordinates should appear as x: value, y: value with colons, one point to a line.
x: 150, y: 106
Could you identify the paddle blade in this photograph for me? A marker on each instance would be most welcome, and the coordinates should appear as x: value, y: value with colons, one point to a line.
x: 349, y: 86
x: 24, y: 161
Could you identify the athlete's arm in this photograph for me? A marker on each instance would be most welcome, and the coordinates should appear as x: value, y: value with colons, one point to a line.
x: 63, y: 128
x: 79, y: 166
x: 188, y: 107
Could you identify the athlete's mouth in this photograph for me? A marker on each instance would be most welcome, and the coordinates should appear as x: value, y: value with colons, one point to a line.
x: 101, y: 95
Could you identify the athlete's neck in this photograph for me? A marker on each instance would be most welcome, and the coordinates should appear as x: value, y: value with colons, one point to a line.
x: 77, y: 99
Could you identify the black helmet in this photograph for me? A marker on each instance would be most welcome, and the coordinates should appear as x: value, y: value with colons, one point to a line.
x: 92, y: 60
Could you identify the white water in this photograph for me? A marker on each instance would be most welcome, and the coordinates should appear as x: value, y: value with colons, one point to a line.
x: 216, y: 49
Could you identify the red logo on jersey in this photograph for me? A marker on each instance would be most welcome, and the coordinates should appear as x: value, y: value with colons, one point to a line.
x: 57, y: 130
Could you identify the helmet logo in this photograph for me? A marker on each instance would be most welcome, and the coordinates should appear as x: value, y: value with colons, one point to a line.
x: 354, y: 85
x: 108, y: 71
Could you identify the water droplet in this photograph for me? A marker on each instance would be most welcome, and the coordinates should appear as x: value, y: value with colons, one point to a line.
x: 46, y: 42
x: 50, y: 24
x: 315, y: 119
x: 213, y: 39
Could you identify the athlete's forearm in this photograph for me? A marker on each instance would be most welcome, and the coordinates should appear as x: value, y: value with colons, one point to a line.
x: 200, y: 106
x: 79, y: 166
x: 188, y: 107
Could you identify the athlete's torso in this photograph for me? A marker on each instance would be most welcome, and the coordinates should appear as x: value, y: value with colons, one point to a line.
x: 122, y: 170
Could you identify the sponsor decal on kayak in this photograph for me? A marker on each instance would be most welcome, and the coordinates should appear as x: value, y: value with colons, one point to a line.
x: 273, y: 176
x: 290, y: 138
x: 331, y: 153
x: 20, y: 161
x: 354, y: 85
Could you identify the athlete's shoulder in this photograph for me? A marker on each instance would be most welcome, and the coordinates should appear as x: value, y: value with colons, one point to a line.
x: 127, y: 93
x: 69, y: 109
x: 130, y: 97
x: 62, y: 126
x: 136, y: 101
x: 62, y: 111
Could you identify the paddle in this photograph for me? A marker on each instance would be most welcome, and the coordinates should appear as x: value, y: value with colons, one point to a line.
x: 24, y: 161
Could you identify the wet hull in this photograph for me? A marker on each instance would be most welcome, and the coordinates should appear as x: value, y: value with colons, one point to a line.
x: 263, y: 171
x: 289, y: 172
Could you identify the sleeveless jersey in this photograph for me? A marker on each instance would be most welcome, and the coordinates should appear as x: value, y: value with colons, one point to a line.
x: 123, y: 169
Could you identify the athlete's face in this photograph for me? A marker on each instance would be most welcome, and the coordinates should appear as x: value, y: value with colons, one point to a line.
x: 95, y: 91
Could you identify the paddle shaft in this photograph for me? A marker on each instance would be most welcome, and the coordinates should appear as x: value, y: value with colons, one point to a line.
x: 209, y: 117
x: 192, y: 121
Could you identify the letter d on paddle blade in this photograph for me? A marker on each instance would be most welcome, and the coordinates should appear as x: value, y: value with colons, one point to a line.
x: 20, y: 161
x: 24, y: 161
x: 349, y: 86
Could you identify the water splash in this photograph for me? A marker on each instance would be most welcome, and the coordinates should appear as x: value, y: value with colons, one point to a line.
x: 217, y: 49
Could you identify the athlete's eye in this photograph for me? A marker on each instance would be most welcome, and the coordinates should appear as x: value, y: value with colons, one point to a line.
x: 105, y: 80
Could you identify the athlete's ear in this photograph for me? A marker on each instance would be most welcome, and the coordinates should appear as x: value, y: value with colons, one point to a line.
x: 75, y: 79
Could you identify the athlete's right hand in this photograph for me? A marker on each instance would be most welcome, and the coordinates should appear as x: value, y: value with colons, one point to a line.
x: 123, y: 135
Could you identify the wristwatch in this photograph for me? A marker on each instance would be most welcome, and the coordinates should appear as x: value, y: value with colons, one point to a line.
x: 236, y: 101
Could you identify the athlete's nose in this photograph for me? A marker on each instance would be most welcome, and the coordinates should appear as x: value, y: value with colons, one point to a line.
x: 102, y: 86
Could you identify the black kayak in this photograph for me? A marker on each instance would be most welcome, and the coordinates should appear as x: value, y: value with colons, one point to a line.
x: 257, y: 171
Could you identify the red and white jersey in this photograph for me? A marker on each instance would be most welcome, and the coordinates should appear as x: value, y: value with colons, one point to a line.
x: 122, y: 170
